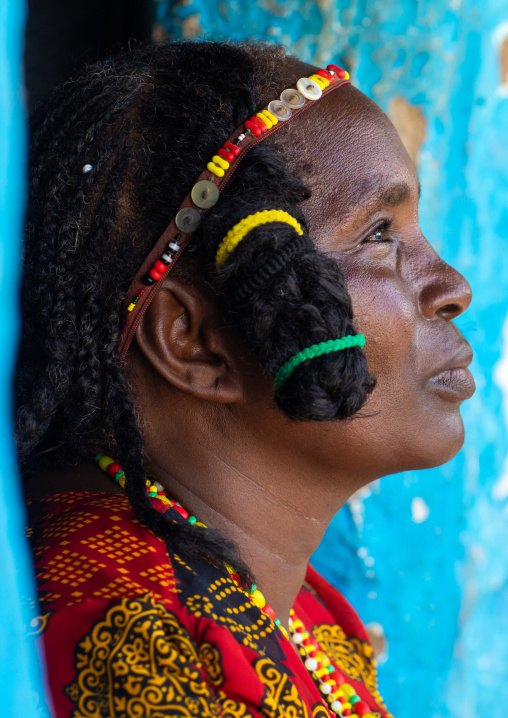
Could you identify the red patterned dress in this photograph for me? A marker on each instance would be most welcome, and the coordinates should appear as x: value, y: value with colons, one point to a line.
x: 131, y: 630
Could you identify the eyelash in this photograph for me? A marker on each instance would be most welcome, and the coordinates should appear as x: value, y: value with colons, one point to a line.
x: 383, y: 230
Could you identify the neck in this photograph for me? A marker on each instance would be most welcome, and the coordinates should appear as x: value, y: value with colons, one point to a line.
x: 276, y: 513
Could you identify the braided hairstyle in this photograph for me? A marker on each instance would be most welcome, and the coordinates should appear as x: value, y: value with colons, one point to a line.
x: 148, y: 121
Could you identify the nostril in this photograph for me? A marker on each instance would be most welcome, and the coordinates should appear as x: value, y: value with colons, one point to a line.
x: 449, y: 311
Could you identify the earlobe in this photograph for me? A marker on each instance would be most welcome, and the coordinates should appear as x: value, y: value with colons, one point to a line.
x: 180, y: 336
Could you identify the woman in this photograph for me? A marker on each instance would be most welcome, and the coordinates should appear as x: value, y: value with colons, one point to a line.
x: 164, y: 321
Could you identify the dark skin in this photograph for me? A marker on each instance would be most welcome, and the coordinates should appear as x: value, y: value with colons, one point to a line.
x: 213, y: 436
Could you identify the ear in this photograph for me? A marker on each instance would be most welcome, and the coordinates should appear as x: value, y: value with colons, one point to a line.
x: 182, y: 336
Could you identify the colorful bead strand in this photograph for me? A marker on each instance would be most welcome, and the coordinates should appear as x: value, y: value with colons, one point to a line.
x: 155, y: 490
x: 341, y: 696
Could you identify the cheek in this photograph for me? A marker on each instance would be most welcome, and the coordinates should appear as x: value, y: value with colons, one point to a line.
x: 387, y: 316
x: 405, y: 426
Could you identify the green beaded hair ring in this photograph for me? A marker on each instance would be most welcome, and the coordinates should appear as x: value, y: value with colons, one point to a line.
x: 317, y: 350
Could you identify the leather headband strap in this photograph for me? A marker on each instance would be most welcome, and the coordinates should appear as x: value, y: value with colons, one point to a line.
x: 132, y: 318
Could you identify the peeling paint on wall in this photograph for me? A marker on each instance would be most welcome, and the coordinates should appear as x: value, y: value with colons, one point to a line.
x: 500, y: 488
x: 419, y: 510
x: 409, y: 123
x: 191, y: 26
x: 503, y: 59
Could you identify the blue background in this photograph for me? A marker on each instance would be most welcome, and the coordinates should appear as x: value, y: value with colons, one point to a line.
x: 21, y: 694
x: 423, y: 554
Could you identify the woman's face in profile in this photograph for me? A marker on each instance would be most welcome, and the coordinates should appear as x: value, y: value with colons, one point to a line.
x: 364, y: 210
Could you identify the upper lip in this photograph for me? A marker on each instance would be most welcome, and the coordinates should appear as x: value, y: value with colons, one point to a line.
x: 460, y: 360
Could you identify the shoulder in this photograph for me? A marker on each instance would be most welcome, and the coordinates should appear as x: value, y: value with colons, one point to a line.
x: 126, y: 620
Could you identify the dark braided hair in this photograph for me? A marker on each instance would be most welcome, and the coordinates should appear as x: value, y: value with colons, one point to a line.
x: 148, y: 121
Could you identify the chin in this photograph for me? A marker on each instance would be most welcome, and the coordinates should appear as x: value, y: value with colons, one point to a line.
x: 437, y: 447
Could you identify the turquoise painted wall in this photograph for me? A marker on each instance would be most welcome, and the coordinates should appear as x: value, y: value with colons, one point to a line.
x: 21, y: 693
x: 425, y: 554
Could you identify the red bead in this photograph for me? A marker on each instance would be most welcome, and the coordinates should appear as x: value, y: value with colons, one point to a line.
x: 160, y: 266
x: 253, y: 128
x: 225, y: 155
x: 155, y: 274
x: 341, y: 74
x: 269, y: 612
x: 346, y: 712
x: 112, y: 469
x: 182, y: 511
x: 361, y: 708
x: 235, y: 577
x: 325, y: 74
x: 342, y: 699
x: 259, y: 123
x: 232, y: 148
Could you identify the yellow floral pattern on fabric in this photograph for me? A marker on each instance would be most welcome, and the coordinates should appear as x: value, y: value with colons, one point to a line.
x: 140, y: 661
x: 352, y: 655
x: 210, y: 656
x: 281, y: 699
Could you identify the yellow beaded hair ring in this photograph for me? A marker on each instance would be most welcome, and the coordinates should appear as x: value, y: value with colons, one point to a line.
x: 247, y: 224
x: 206, y: 191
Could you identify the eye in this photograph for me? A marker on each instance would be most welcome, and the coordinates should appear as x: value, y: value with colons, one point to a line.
x: 380, y: 234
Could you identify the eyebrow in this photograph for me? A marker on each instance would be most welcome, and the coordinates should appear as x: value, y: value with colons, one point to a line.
x: 379, y: 189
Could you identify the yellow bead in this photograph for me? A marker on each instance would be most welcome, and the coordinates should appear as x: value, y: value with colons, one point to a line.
x: 131, y: 307
x: 347, y: 705
x: 258, y: 599
x: 198, y: 523
x: 153, y: 488
x: 221, y: 162
x: 105, y: 461
x: 217, y: 171
x: 320, y: 81
x: 284, y: 632
x: 321, y: 672
x: 347, y: 690
x: 266, y: 120
x: 323, y: 658
x: 229, y: 568
x: 121, y: 481
x: 270, y: 116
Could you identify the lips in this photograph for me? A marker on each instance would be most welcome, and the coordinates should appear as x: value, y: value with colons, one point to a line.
x: 454, y: 382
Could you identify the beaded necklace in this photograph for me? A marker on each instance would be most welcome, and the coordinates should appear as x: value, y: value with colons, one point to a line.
x: 339, y: 697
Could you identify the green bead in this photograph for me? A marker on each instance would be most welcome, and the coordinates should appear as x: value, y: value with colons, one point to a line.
x: 330, y: 668
x: 354, y: 699
x: 277, y: 622
x: 192, y: 520
x: 253, y: 588
x: 98, y: 456
x: 119, y: 475
x: 152, y: 493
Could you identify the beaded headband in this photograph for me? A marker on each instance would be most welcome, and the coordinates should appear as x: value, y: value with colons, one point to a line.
x: 207, y: 188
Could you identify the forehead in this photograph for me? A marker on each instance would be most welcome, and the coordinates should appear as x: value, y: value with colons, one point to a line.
x: 350, y: 155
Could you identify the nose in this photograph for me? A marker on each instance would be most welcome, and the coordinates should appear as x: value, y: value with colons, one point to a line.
x: 446, y: 293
